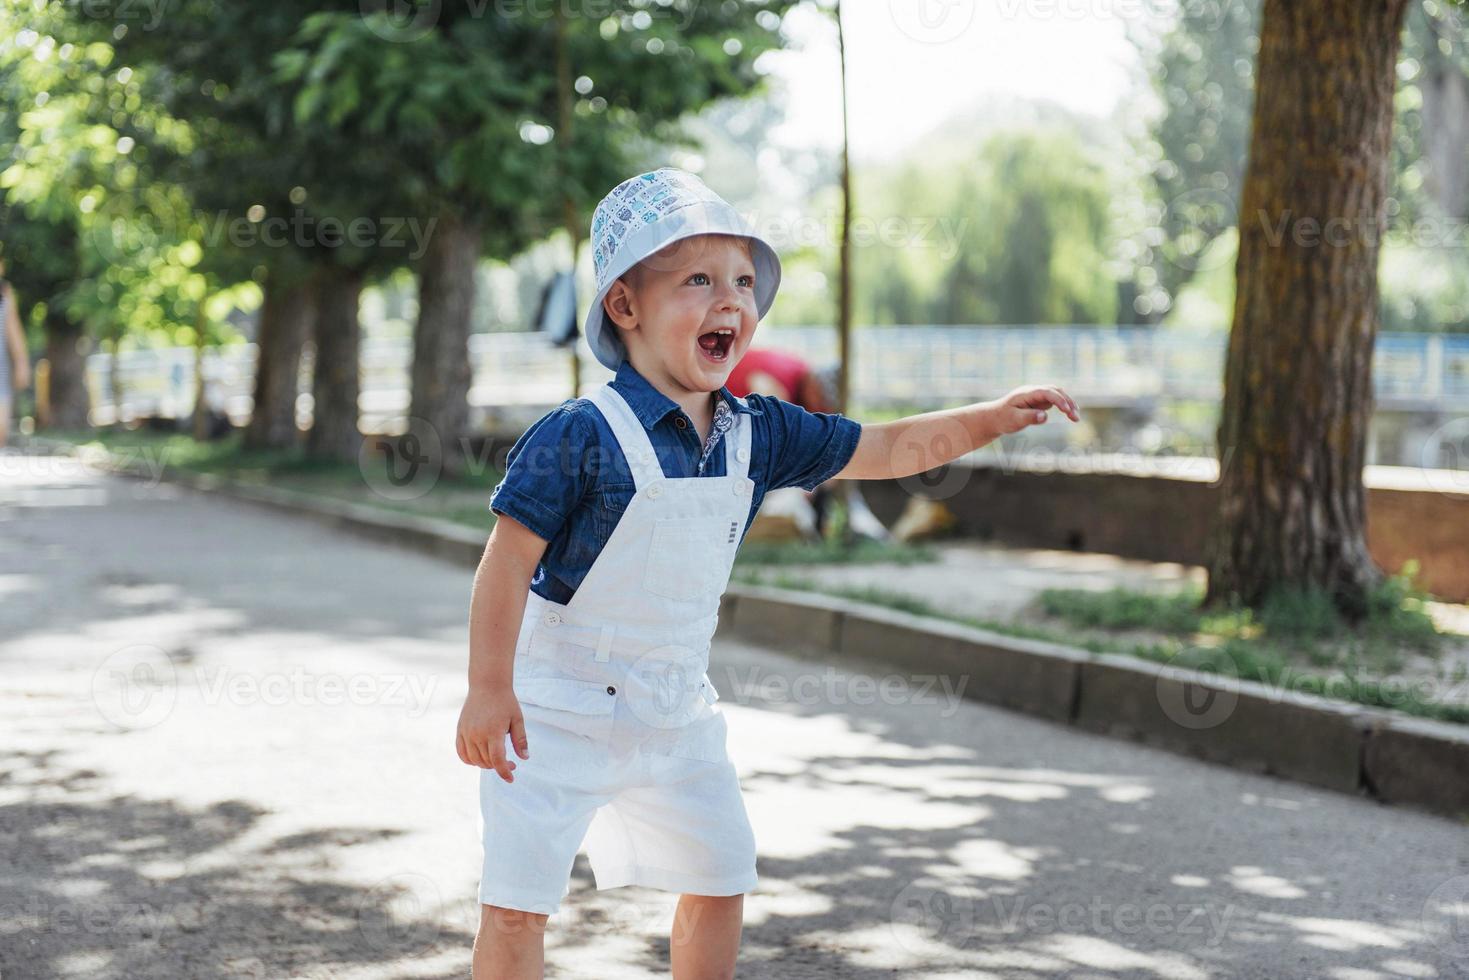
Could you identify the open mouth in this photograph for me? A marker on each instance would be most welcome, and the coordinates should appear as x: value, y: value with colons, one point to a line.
x: 716, y: 344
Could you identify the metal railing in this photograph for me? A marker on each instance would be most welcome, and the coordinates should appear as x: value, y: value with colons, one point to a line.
x: 917, y: 365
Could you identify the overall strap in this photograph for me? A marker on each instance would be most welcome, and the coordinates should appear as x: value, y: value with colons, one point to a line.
x: 630, y: 435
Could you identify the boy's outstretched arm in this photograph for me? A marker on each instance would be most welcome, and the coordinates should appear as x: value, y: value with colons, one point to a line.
x: 917, y: 443
x: 496, y: 606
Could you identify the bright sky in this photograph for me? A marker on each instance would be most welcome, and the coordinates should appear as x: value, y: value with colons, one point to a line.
x: 913, y: 63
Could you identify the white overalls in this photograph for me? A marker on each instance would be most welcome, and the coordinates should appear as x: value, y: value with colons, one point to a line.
x: 627, y: 748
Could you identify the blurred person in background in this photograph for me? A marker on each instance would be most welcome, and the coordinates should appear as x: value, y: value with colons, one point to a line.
x: 14, y: 361
x: 790, y: 377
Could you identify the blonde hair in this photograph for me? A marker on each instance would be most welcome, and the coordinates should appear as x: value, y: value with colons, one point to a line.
x: 634, y: 275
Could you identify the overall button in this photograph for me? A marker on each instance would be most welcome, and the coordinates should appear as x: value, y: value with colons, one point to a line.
x: 611, y: 689
x: 743, y: 455
x: 655, y: 491
x: 552, y: 617
x: 741, y: 488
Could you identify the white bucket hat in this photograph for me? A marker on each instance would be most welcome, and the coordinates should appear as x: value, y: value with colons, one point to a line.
x: 651, y: 211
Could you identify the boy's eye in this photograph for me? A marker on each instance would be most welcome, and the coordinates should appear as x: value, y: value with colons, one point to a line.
x: 704, y: 275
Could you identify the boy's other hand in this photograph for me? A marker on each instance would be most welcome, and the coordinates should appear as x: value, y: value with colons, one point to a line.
x: 1027, y: 405
x: 489, y: 713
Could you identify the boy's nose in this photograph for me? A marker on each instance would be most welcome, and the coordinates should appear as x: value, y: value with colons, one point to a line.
x: 729, y: 299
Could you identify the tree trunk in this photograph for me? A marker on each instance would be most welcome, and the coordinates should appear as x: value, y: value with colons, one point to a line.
x: 68, y: 399
x: 441, y: 369
x: 285, y: 324
x: 201, y: 396
x: 1298, y: 379
x: 334, y: 414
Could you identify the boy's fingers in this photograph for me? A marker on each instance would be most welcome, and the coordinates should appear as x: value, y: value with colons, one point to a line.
x: 472, y: 754
x: 517, y: 736
x: 459, y: 747
x: 498, y: 761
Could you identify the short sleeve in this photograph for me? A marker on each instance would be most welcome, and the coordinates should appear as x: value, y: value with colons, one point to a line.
x: 545, y: 475
x: 806, y: 448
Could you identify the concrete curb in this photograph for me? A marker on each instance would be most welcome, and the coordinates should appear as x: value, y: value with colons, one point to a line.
x: 1350, y: 748
x: 1355, y: 749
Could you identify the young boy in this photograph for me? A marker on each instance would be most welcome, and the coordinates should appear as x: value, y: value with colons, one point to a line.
x: 598, y: 594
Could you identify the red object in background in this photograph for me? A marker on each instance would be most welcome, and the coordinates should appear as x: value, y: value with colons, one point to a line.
x: 770, y: 372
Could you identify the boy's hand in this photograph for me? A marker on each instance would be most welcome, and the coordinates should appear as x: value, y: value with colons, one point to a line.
x: 1027, y: 405
x: 489, y: 713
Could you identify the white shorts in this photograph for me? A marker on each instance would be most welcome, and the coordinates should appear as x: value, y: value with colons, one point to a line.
x: 661, y: 813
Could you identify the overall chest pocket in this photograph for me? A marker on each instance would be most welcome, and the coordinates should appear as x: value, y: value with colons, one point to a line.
x: 689, y: 557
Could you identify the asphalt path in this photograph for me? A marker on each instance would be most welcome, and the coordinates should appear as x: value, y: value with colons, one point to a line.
x: 227, y: 750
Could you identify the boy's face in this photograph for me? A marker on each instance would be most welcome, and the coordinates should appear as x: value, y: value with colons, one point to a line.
x: 674, y: 306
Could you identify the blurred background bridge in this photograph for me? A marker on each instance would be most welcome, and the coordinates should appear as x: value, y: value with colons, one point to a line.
x: 1141, y: 387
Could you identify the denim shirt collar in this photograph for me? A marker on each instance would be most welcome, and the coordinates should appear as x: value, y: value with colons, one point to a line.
x: 651, y: 405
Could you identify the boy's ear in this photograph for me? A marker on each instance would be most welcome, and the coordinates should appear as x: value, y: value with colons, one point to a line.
x: 618, y: 304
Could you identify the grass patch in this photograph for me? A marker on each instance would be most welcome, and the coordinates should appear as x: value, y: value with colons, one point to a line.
x: 1118, y: 609
x: 1303, y: 624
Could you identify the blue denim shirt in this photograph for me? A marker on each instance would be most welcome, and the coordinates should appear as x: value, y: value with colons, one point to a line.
x: 567, y: 480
